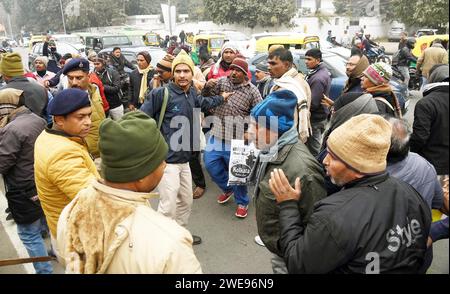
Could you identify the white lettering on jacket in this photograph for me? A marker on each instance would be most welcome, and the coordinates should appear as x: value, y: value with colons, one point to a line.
x: 407, y: 236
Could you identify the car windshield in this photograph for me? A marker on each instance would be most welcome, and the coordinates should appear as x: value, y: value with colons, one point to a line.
x: 115, y: 40
x: 70, y: 40
x: 216, y: 43
x: 136, y: 40
x: 236, y: 36
x: 311, y: 45
x: 152, y: 38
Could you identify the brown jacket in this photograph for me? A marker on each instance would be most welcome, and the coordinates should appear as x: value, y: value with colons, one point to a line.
x: 436, y: 54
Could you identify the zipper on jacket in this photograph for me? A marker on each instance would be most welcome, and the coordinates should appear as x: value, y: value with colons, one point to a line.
x: 374, y: 187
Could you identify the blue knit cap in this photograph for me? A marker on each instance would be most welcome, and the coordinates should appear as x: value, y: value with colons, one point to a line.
x: 280, y: 104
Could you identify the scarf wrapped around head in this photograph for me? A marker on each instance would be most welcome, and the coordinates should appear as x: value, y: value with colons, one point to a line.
x: 227, y: 45
x: 357, y: 73
x: 289, y: 83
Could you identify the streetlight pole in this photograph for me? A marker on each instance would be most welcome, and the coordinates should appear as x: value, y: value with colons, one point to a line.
x: 62, y: 15
x: 170, y: 18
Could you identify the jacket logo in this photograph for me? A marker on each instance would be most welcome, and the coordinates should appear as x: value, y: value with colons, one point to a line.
x: 176, y: 109
x: 408, y: 235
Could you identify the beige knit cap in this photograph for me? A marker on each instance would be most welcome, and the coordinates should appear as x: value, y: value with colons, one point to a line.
x: 362, y: 143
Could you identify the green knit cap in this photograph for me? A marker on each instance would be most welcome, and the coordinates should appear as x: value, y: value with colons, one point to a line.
x: 130, y: 148
x: 11, y: 65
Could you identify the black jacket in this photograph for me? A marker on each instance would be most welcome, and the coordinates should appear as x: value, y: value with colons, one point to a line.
x: 430, y: 136
x: 377, y: 219
x: 135, y: 86
x: 405, y: 56
x: 120, y: 63
x: 180, y: 105
x: 111, y: 83
x: 36, y: 98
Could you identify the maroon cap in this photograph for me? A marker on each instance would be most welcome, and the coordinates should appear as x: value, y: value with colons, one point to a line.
x: 241, y: 64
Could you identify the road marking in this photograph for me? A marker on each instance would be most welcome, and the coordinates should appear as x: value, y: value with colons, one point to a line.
x: 11, y: 230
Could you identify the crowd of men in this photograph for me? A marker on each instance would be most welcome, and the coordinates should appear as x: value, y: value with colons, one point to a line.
x: 340, y: 186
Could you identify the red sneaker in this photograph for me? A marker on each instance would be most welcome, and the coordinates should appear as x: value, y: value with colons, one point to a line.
x: 223, y: 198
x: 241, y: 211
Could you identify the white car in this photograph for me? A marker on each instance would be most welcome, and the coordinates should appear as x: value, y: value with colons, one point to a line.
x: 74, y: 40
x: 61, y: 47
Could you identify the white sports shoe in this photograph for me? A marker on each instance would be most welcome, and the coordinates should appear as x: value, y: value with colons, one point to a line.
x: 259, y: 241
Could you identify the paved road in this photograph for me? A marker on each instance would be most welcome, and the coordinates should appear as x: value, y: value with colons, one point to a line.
x: 227, y: 247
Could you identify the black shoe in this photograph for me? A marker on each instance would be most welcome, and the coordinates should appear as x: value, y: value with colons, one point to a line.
x: 9, y: 217
x: 197, y: 240
x: 7, y: 210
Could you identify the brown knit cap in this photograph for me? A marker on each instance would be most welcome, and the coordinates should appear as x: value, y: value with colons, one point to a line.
x: 362, y: 143
x: 166, y: 63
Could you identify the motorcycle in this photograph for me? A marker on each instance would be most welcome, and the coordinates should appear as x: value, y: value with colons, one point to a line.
x: 377, y: 54
x: 414, y: 77
x: 399, y: 88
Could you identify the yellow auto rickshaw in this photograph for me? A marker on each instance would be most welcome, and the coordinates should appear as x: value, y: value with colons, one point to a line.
x: 424, y: 42
x: 36, y: 39
x: 214, y: 43
x: 291, y: 41
x: 152, y: 39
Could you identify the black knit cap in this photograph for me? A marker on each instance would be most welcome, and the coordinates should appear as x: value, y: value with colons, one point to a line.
x: 314, y: 53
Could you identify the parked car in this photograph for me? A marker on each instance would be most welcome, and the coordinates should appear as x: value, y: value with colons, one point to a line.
x: 130, y: 53
x: 425, y: 32
x: 61, y: 47
x: 338, y: 50
x: 395, y: 33
x: 99, y: 42
x: 71, y: 39
x: 336, y: 65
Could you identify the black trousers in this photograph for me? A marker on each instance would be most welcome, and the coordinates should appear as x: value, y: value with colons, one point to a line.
x: 196, y: 169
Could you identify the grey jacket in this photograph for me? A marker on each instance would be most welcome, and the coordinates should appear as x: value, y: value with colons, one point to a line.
x: 419, y: 173
x: 17, y: 148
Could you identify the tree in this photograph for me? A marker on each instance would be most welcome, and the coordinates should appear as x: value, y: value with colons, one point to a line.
x: 421, y: 13
x: 251, y: 12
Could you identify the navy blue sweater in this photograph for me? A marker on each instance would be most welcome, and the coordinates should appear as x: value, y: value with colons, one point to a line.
x: 179, y: 112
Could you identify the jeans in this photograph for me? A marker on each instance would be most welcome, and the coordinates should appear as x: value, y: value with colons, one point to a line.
x: 404, y: 70
x: 423, y: 82
x: 30, y: 234
x: 315, y: 139
x: 217, y: 159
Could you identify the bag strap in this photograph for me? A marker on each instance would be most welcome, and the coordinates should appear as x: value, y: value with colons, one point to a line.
x: 385, y: 102
x: 163, y: 108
